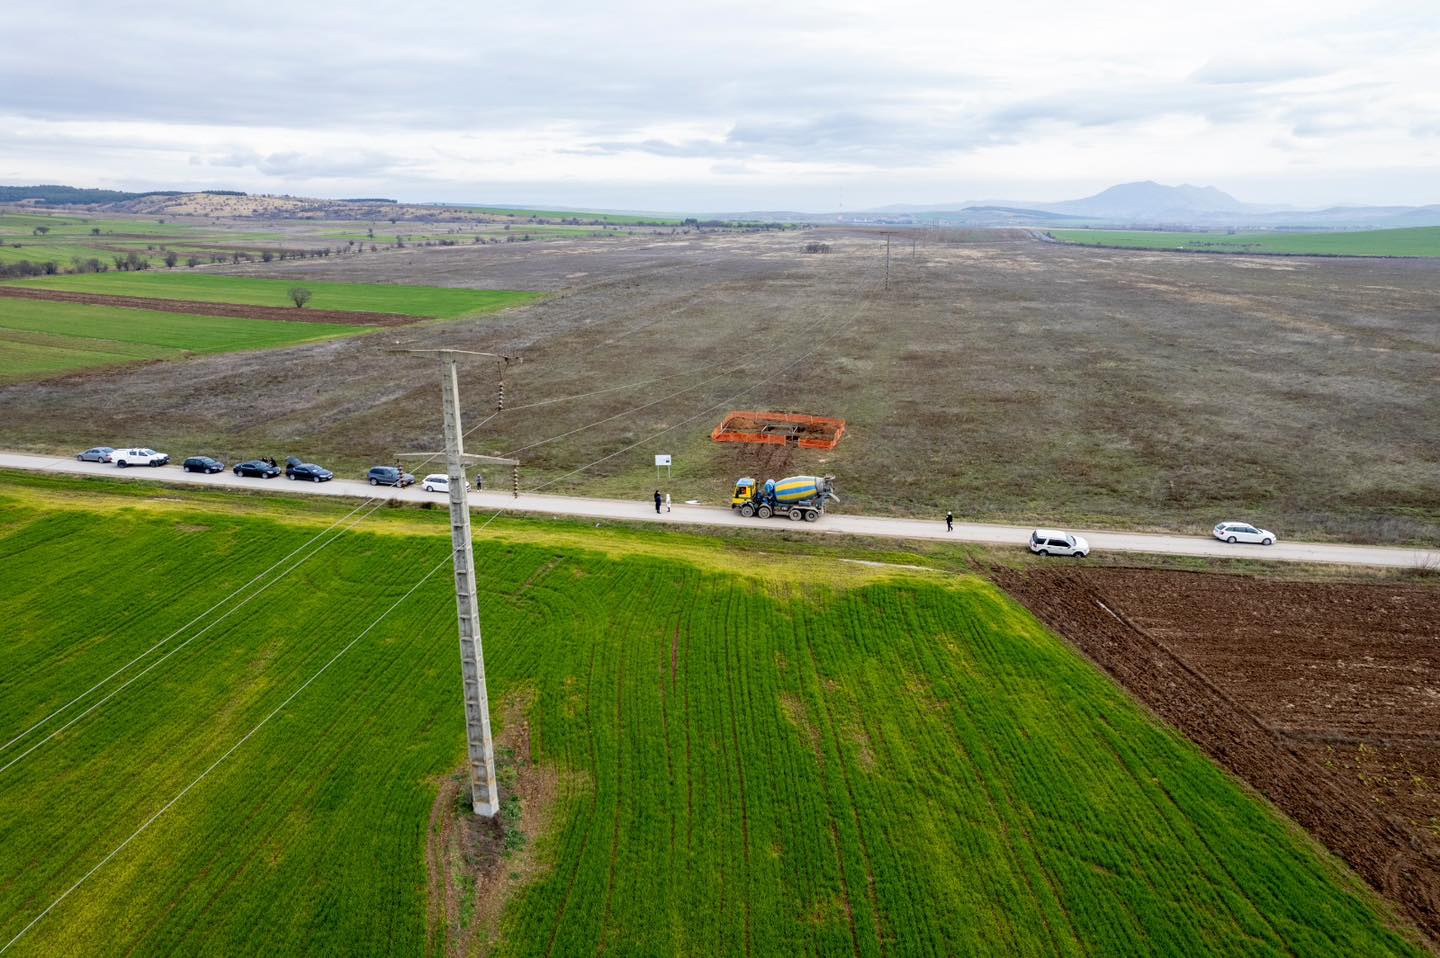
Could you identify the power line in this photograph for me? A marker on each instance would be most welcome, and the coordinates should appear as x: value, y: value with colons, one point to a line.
x: 351, y: 644
x: 145, y: 671
x: 187, y: 625
x: 227, y: 753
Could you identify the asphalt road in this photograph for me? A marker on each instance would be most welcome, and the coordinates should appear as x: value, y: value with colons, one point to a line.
x: 644, y: 511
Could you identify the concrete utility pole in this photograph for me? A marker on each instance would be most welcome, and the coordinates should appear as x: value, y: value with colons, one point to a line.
x: 484, y: 795
x: 887, y: 260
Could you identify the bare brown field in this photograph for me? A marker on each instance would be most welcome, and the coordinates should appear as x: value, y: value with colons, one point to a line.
x: 1000, y: 377
x: 1325, y: 697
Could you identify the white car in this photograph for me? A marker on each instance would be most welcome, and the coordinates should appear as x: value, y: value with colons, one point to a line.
x: 438, y: 482
x: 1052, y: 542
x: 138, y: 456
x: 1243, y: 532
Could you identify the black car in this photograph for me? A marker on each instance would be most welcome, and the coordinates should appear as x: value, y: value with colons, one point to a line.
x: 295, y: 469
x: 389, y: 476
x: 98, y: 454
x: 202, y: 464
x: 257, y: 468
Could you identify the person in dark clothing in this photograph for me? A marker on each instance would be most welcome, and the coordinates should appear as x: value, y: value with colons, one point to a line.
x: 659, y: 500
x: 949, y: 522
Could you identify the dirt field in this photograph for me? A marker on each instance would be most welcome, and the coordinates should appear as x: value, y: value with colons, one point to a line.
x: 214, y: 309
x: 1324, y: 697
x: 1000, y: 377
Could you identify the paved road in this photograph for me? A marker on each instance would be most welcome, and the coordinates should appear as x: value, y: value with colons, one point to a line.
x: 644, y: 511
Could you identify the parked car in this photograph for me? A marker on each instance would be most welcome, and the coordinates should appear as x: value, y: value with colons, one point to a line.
x: 295, y: 469
x: 138, y: 456
x: 1243, y: 532
x: 202, y: 464
x: 1051, y: 542
x: 257, y: 469
x: 97, y: 454
x: 389, y: 476
x: 438, y: 482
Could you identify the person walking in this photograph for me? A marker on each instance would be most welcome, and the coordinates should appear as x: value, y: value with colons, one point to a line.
x: 949, y: 522
x: 658, y: 501
x: 667, y: 502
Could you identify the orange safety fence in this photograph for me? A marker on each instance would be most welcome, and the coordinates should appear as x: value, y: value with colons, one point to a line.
x: 780, y: 429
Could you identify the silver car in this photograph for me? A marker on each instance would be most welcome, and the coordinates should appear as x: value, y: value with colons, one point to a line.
x: 97, y: 454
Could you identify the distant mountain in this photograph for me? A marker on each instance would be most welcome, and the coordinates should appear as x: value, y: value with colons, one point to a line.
x: 1149, y: 204
x: 1151, y: 200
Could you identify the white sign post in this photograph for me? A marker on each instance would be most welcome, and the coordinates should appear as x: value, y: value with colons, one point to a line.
x: 662, y: 461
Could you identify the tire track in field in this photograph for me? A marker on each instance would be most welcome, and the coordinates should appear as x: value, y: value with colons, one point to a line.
x: 619, y: 792
x: 922, y: 654
x: 667, y: 691
x: 1176, y: 838
x: 590, y: 819
x: 744, y: 797
x: 829, y: 806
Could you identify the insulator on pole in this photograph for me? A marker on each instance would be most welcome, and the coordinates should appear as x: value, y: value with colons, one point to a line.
x: 515, y: 480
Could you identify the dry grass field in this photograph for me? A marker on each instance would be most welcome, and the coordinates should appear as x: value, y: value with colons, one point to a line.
x: 1001, y: 377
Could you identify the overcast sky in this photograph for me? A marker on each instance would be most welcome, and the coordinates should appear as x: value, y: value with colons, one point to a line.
x: 726, y: 106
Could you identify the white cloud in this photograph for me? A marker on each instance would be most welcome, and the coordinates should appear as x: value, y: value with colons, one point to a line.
x: 723, y: 106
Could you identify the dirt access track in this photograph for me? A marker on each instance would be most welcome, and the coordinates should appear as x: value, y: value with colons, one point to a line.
x: 196, y: 307
x: 1324, y: 697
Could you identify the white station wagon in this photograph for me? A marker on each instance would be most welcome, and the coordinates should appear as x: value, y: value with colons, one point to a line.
x: 1243, y: 532
x: 438, y: 482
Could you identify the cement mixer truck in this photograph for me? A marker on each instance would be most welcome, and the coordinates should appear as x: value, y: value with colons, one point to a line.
x: 799, y: 497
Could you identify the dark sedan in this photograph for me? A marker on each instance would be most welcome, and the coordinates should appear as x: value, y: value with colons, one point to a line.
x: 98, y: 454
x: 202, y: 464
x: 257, y: 469
x: 295, y: 469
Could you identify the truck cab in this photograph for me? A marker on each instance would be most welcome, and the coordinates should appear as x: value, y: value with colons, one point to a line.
x: 744, y: 492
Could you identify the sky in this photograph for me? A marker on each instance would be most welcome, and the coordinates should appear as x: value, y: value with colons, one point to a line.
x: 734, y: 106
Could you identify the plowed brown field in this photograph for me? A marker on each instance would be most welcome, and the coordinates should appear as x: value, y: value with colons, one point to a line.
x: 199, y: 308
x: 1324, y: 697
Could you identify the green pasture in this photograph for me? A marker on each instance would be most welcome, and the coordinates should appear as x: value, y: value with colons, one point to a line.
x: 429, y: 301
x: 754, y: 754
x: 1422, y: 241
x: 39, y: 338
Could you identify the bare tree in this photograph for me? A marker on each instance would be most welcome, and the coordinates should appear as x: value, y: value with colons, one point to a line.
x: 299, y: 295
x: 171, y: 259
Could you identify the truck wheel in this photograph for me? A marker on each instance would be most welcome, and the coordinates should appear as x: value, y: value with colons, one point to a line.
x: 796, y: 515
x: 811, y: 515
x: 764, y: 512
x: 747, y: 510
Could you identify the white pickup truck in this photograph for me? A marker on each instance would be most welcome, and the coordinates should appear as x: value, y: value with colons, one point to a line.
x: 138, y: 456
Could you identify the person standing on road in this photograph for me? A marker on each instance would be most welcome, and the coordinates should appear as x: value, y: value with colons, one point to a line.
x: 658, y: 501
x: 950, y: 522
x: 667, y: 502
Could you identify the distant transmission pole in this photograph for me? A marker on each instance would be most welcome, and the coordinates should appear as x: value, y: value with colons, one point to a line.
x: 484, y: 796
x: 887, y: 260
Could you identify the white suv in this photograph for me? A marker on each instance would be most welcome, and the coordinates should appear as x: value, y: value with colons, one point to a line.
x: 438, y: 482
x: 1243, y: 532
x: 138, y: 456
x: 1050, y: 542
